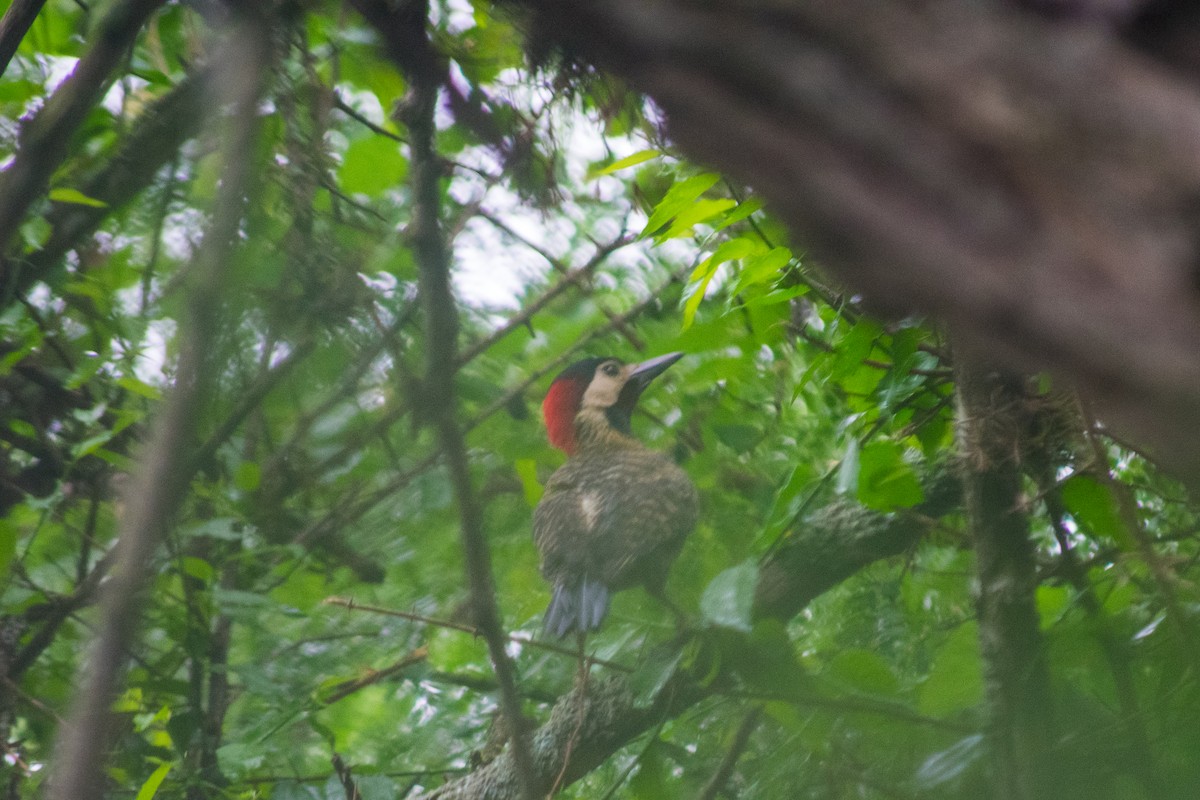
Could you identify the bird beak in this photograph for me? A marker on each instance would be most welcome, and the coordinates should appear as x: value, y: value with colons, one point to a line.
x: 641, y: 374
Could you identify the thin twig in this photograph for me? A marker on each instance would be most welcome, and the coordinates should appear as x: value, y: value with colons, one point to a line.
x: 345, y: 778
x: 602, y: 252
x: 571, y: 277
x: 716, y: 784
x: 539, y: 644
x: 374, y: 676
x: 342, y: 106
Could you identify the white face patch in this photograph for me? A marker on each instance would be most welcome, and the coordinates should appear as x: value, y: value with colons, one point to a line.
x: 606, y: 385
x: 589, y: 504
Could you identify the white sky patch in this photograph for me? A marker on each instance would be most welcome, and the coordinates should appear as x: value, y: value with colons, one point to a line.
x: 182, y: 232
x: 492, y: 270
x: 281, y: 352
x: 382, y: 283
x: 41, y: 298
x: 57, y: 69
x: 49, y: 71
x: 114, y: 98
x: 151, y: 363
x: 487, y: 272
x: 364, y: 102
x: 460, y: 16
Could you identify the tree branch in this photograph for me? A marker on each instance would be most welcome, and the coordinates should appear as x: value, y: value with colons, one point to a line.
x: 826, y: 550
x: 165, y: 471
x: 44, y: 139
x: 716, y: 784
x: 13, y: 27
x: 407, y: 42
x: 999, y: 171
x: 159, y: 133
x: 1016, y: 677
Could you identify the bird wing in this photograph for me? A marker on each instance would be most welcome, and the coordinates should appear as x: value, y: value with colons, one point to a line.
x: 620, y: 517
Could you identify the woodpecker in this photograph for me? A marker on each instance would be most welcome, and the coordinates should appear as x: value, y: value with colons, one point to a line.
x: 615, y: 515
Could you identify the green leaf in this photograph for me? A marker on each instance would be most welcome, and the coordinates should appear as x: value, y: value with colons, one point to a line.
x: 854, y: 347
x: 76, y: 197
x: 847, y: 479
x: 649, y: 782
x: 527, y: 471
x: 132, y: 384
x: 8, y: 549
x: 639, y: 157
x: 703, y: 274
x: 239, y: 758
x: 677, y: 198
x: 300, y: 589
x: 728, y: 600
x: 955, y: 681
x: 744, y: 210
x: 227, y: 528
x: 697, y: 212
x: 452, y: 651
x: 372, y: 165
x: 739, y: 437
x: 950, y: 764
x: 706, y: 270
x: 787, y: 502
x: 150, y: 787
x: 1052, y: 604
x: 885, y: 481
x: 776, y: 296
x: 649, y: 678
x: 198, y: 568
x: 762, y: 268
x: 91, y: 444
x: 247, y: 476
x: 863, y: 671
x: 1092, y: 504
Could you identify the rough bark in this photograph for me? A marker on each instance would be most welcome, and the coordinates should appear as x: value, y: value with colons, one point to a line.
x: 1017, y: 682
x: 585, y: 728
x: 1032, y: 181
x: 14, y: 25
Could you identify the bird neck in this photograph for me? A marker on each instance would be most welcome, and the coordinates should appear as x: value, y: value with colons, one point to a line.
x: 594, y: 430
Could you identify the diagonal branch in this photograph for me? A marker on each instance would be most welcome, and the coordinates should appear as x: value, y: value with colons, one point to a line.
x: 13, y: 27
x: 406, y: 31
x: 831, y: 546
x: 45, y: 138
x: 164, y: 471
x: 154, y: 141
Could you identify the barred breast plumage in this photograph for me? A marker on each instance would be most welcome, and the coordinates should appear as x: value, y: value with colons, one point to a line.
x: 617, y: 513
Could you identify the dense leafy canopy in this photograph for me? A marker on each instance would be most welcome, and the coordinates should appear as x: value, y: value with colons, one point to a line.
x: 311, y: 471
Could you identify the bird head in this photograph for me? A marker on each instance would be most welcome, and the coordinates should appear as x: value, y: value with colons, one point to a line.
x: 606, y: 388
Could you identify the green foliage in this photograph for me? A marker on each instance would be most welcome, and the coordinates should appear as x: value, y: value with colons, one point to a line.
x: 315, y: 474
x: 728, y: 600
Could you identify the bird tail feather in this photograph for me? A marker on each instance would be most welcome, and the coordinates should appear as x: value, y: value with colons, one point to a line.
x: 576, y: 607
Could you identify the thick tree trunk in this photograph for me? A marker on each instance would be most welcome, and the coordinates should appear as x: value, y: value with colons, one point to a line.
x: 1021, y: 720
x: 1032, y: 181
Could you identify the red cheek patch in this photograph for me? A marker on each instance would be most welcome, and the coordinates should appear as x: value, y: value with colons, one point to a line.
x: 559, y: 408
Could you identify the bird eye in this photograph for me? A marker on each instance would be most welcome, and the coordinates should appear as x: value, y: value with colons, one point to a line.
x: 611, y: 370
